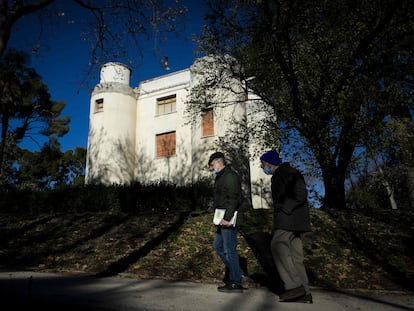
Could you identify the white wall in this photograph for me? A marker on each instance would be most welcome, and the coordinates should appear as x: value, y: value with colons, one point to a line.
x: 176, y: 168
x: 111, y: 139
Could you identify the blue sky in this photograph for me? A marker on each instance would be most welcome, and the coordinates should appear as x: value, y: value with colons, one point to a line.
x: 62, y: 58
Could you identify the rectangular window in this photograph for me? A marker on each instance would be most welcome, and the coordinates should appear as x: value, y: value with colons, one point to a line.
x: 207, y: 122
x: 166, y: 104
x: 165, y: 144
x: 99, y: 104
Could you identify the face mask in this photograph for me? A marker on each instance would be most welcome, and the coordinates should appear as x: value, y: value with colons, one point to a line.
x: 216, y: 171
x: 267, y: 170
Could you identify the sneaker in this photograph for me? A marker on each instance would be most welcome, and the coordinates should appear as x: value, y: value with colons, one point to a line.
x: 304, y: 299
x: 231, y: 288
x: 293, y: 293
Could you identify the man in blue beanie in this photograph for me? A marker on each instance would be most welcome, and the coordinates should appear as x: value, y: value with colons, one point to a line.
x: 291, y: 220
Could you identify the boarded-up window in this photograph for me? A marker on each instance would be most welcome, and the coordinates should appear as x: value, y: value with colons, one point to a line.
x: 165, y: 144
x: 207, y: 122
x: 166, y: 104
x: 99, y: 105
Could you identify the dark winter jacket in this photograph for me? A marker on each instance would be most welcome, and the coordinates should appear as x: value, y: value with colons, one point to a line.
x: 290, y: 200
x: 227, y: 191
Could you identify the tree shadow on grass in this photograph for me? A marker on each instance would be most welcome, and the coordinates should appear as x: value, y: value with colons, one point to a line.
x: 122, y: 264
x: 9, y: 233
x: 52, y: 231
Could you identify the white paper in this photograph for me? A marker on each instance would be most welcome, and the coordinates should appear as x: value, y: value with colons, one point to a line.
x: 219, y: 214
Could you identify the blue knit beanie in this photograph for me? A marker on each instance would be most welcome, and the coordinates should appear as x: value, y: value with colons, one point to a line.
x: 271, y: 157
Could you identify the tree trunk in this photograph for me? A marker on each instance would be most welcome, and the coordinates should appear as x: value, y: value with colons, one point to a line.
x: 3, y: 135
x: 403, y: 131
x: 410, y: 185
x: 388, y: 187
x: 334, y: 190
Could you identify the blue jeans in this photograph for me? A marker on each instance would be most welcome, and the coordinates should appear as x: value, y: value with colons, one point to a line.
x: 225, y: 244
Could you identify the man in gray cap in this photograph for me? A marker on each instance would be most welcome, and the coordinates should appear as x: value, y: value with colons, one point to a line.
x: 291, y: 220
x: 227, y: 193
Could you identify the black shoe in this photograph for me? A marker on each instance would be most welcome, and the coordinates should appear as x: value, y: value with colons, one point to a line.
x: 304, y: 299
x: 293, y: 293
x: 231, y: 288
x: 226, y: 278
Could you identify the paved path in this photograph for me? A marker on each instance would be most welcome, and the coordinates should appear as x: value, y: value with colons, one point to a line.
x: 61, y: 292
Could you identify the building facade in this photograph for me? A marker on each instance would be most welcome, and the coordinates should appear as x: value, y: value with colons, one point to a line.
x: 146, y: 134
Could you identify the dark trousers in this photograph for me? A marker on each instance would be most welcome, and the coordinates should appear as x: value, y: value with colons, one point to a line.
x: 287, y: 251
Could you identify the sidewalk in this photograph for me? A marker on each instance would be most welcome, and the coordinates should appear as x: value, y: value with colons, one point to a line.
x: 49, y: 291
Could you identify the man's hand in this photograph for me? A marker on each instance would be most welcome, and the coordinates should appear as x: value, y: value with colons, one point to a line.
x: 225, y: 223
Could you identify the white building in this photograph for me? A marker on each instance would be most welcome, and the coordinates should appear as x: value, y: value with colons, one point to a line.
x: 144, y: 134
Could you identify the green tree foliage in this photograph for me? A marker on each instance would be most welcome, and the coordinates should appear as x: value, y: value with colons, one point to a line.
x: 380, y: 184
x: 50, y: 168
x: 75, y: 163
x: 333, y: 71
x: 25, y: 107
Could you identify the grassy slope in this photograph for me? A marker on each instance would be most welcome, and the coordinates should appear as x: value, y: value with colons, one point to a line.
x: 345, y: 249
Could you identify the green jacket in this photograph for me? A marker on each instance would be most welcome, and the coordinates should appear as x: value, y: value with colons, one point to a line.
x: 227, y: 191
